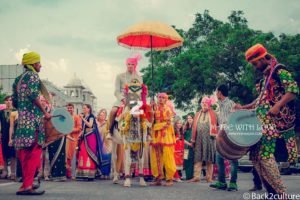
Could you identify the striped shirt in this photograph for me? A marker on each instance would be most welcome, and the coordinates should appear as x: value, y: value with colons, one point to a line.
x: 225, y: 109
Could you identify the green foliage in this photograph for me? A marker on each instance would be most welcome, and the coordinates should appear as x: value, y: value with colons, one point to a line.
x: 213, y: 54
x: 2, y: 95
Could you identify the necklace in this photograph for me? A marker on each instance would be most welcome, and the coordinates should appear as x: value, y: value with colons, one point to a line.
x: 7, y: 114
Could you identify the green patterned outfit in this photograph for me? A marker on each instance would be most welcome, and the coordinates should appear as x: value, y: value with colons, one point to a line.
x: 30, y: 120
x: 275, y: 127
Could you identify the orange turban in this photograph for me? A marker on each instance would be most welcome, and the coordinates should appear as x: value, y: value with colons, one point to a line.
x: 255, y: 53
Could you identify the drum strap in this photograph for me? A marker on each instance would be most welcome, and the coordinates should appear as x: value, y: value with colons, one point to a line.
x: 43, y: 89
x: 273, y: 67
x: 19, y: 83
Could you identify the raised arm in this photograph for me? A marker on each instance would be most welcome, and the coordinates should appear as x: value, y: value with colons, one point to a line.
x: 89, y: 123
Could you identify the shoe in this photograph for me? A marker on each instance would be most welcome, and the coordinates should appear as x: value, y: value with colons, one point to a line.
x: 35, y: 186
x: 148, y: 178
x: 37, y: 183
x: 30, y: 192
x: 143, y: 182
x: 13, y: 177
x: 3, y: 175
x: 219, y: 185
x: 255, y: 188
x: 178, y: 180
x: 193, y: 180
x: 169, y: 183
x: 157, y: 182
x: 127, y: 182
x: 232, y: 187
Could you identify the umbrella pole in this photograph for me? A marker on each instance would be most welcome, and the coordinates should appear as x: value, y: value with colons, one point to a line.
x: 152, y: 69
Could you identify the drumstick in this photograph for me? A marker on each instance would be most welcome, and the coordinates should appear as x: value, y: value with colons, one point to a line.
x: 59, y: 116
x: 71, y: 138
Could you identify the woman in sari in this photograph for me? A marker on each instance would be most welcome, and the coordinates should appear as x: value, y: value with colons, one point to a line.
x: 188, y: 163
x: 91, y: 153
x: 57, y: 155
x: 2, y: 106
x: 8, y: 151
x: 179, y: 149
x: 107, y: 143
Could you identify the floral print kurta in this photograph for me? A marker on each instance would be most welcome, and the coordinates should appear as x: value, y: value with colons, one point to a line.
x: 281, y: 125
x: 30, y: 121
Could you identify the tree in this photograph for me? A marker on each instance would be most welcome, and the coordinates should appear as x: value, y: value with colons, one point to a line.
x: 213, y: 53
x: 2, y: 95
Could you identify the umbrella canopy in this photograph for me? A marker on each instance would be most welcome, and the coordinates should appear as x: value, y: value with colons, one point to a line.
x: 152, y: 35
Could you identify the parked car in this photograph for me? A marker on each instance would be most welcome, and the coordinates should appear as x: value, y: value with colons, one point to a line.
x: 245, y: 165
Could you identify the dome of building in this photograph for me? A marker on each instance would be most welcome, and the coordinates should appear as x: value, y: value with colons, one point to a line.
x: 75, y: 82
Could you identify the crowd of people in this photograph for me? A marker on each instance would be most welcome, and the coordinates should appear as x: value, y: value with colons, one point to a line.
x: 176, y: 149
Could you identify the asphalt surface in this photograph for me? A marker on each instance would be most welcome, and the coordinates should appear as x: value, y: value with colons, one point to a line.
x: 106, y: 190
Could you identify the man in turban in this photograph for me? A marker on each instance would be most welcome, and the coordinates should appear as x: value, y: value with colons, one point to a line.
x: 163, y: 143
x: 122, y: 80
x: 30, y: 132
x: 276, y: 110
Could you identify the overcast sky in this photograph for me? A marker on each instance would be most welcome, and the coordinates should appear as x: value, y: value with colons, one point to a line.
x: 76, y: 36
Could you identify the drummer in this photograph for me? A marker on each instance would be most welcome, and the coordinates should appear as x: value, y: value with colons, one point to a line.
x: 280, y: 93
x: 29, y: 134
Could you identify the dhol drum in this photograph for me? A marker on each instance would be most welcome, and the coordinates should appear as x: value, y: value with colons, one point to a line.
x: 58, y: 126
x: 241, y: 132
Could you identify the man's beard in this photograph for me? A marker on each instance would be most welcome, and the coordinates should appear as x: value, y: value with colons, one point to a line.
x: 263, y: 68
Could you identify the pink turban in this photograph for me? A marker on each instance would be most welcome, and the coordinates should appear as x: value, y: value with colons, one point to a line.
x: 163, y: 95
x: 134, y: 60
x: 208, y: 100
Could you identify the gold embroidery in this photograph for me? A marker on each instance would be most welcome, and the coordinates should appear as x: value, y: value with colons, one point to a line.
x: 81, y: 162
x: 88, y: 162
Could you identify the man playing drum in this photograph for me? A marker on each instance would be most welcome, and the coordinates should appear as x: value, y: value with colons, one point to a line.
x: 276, y: 111
x: 30, y: 133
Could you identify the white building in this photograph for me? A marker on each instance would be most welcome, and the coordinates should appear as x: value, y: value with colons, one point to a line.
x: 8, y: 73
x: 74, y: 92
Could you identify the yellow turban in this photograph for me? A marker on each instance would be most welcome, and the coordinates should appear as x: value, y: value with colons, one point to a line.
x: 31, y: 58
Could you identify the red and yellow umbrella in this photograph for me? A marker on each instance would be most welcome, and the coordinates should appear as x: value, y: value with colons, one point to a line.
x: 155, y: 35
x: 152, y: 35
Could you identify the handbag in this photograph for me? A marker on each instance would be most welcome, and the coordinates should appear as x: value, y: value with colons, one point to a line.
x: 186, y: 154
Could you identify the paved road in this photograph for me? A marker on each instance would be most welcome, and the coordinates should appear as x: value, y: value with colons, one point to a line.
x: 105, y: 190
